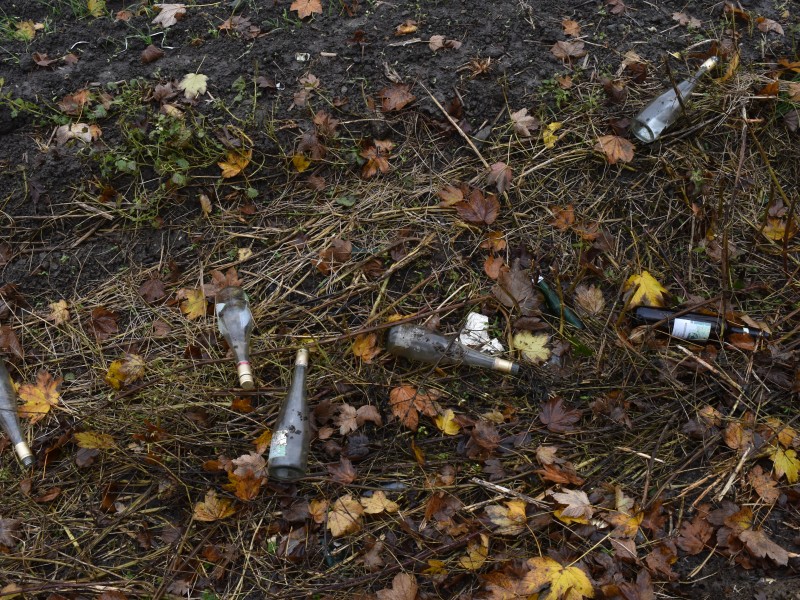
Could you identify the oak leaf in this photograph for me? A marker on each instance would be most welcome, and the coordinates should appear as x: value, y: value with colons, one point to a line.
x: 40, y: 397
x: 644, y: 290
x: 570, y: 583
x: 169, y: 14
x: 213, y: 508
x: 344, y: 516
x: 616, y: 149
x: 306, y: 8
x: 557, y: 418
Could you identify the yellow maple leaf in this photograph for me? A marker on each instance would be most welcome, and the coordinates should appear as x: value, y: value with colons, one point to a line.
x: 300, y: 162
x: 39, y: 397
x: 509, y: 519
x: 446, y: 422
x: 533, y: 346
x: 435, y: 567
x: 645, y: 290
x: 366, y: 347
x: 345, y: 516
x: 549, y: 134
x: 477, y: 552
x: 59, y: 312
x: 124, y: 370
x: 94, y: 440
x: 96, y: 8
x: 235, y: 163
x: 563, y: 582
x: 378, y: 503
x: 213, y: 508
x: 193, y: 85
x: 193, y: 304
x: 263, y: 441
x: 786, y: 463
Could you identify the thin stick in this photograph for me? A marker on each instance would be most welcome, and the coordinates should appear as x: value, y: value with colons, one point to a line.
x: 508, y: 492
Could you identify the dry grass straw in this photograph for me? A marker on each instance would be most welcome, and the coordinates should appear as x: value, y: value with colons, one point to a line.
x: 642, y: 206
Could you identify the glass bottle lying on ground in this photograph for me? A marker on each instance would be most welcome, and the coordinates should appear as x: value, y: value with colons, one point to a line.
x: 288, y: 451
x: 693, y: 326
x: 9, y: 419
x: 417, y: 343
x: 662, y: 112
x: 235, y: 322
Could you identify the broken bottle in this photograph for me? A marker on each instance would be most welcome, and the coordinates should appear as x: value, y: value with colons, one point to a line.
x: 235, y: 322
x: 418, y: 343
x: 662, y: 112
x: 9, y: 419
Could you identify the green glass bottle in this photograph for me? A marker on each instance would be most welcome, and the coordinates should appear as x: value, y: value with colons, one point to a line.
x: 417, y: 343
x: 235, y: 322
x: 288, y: 452
x: 9, y: 419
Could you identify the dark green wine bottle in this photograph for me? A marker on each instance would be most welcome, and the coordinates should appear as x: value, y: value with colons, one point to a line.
x: 692, y: 326
x: 288, y: 452
x: 9, y: 419
x: 418, y: 343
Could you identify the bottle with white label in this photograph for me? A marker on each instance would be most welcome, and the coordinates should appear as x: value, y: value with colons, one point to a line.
x: 666, y: 108
x: 235, y: 322
x: 418, y: 343
x: 9, y: 419
x: 288, y: 452
x: 693, y: 326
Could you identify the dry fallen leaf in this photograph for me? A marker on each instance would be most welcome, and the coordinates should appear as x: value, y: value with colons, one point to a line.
x: 169, y: 14
x: 500, y: 175
x: 567, y: 583
x: 193, y: 85
x: 9, y: 341
x: 366, y: 347
x: 306, y: 8
x: 523, y: 123
x: 533, y: 346
x: 590, y: 298
x: 616, y: 149
x: 378, y: 503
x: 684, y: 19
x: 479, y: 209
x: 764, y: 485
x: 571, y: 28
x: 769, y: 26
x: 567, y: 50
x: 213, y: 508
x: 59, y: 312
x: 509, y: 519
x: 558, y: 418
x: 125, y: 370
x: 644, y: 290
x: 576, y: 504
x: 193, y: 303
x: 151, y: 54
x: 40, y: 397
x: 616, y: 7
x: 395, y: 97
x: 377, y: 154
x: 335, y: 255
x: 94, y: 440
x: 344, y: 516
x: 446, y: 422
x: 477, y: 553
x: 235, y: 163
x: 786, y: 463
x: 761, y: 546
x: 406, y: 27
x: 549, y: 136
x: 407, y: 402
x: 404, y: 587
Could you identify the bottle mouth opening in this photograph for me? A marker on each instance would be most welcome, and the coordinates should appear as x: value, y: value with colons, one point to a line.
x: 286, y: 473
x: 642, y: 131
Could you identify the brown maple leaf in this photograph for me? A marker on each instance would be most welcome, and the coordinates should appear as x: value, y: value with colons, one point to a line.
x: 479, y: 209
x: 616, y: 149
x: 336, y: 254
x: 395, y: 97
x: 557, y: 418
x: 499, y: 175
x: 567, y: 50
x: 343, y: 472
x: 377, y: 155
x: 306, y: 8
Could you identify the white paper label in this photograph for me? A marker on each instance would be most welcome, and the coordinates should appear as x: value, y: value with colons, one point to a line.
x: 687, y: 329
x: 277, y: 448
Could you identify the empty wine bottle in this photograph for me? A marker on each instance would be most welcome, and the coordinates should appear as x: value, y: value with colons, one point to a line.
x: 555, y: 303
x: 288, y: 452
x: 418, y: 343
x: 693, y: 326
x: 9, y: 419
x: 666, y: 108
x: 235, y: 322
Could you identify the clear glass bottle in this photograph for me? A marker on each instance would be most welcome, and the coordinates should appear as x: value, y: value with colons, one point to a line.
x: 692, y: 326
x: 288, y: 451
x: 9, y: 419
x: 417, y: 343
x: 235, y: 322
x: 662, y: 112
